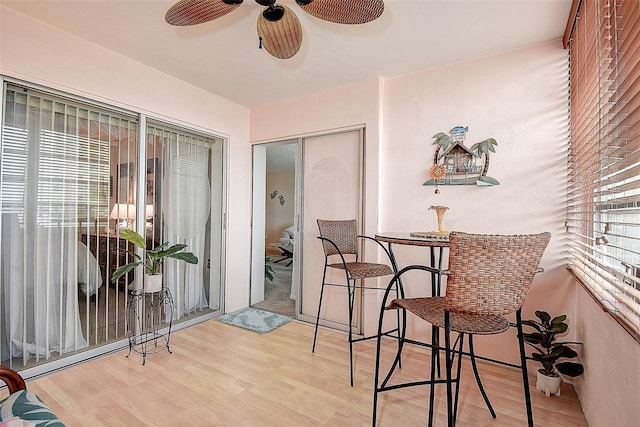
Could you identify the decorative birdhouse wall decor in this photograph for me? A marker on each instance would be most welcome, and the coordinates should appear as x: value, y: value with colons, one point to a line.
x: 455, y: 164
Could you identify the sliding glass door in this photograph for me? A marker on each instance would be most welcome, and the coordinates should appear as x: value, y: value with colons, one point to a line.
x: 295, y: 183
x: 184, y: 185
x: 73, y: 174
x: 57, y: 191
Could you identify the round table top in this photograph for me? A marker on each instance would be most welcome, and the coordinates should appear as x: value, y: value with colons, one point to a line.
x: 413, y: 239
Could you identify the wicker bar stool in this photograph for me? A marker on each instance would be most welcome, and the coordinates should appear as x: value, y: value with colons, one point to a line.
x: 488, y: 277
x: 340, y: 244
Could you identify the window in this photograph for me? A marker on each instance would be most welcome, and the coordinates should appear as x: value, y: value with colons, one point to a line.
x: 603, y: 203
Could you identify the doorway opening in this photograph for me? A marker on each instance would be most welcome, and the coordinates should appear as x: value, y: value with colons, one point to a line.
x: 273, y: 247
x: 296, y: 182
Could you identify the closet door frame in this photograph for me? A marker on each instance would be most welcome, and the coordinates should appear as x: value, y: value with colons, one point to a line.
x: 313, y: 259
x: 299, y: 217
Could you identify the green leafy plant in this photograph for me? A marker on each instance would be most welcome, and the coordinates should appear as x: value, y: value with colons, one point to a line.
x: 153, y: 258
x: 268, y: 269
x: 548, y: 350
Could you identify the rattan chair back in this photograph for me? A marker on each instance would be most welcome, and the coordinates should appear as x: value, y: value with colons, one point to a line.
x: 491, y: 274
x: 344, y: 233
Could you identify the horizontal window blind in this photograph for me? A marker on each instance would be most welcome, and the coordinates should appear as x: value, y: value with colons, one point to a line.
x: 603, y: 203
x: 61, y: 152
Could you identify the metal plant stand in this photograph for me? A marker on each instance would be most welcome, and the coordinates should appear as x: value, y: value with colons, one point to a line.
x: 147, y: 313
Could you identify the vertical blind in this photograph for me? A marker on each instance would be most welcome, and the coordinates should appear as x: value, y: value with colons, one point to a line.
x: 56, y: 188
x: 603, y: 203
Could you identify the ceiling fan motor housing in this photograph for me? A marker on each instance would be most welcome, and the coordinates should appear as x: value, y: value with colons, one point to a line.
x: 273, y: 13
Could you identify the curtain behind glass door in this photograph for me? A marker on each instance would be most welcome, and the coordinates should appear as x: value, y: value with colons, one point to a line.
x: 181, y: 165
x: 57, y: 190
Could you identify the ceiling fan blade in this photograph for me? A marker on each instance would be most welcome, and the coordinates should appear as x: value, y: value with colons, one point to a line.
x: 192, y: 12
x: 343, y: 11
x: 281, y: 38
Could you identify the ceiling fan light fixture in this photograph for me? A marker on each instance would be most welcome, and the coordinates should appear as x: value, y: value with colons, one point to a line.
x: 266, y: 2
x: 273, y: 13
x: 303, y: 2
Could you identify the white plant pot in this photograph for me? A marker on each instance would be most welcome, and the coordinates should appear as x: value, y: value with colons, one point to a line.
x: 153, y: 282
x: 549, y: 385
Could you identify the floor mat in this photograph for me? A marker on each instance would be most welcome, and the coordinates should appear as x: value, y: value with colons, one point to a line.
x: 259, y: 321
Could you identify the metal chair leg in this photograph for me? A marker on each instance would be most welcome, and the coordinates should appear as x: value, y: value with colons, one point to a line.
x: 399, y: 294
x: 525, y: 374
x: 315, y: 333
x: 434, y: 360
x: 460, y: 341
x: 398, y: 325
x: 351, y: 291
x: 376, y: 379
x: 377, y: 384
x: 447, y: 365
x: 472, y: 356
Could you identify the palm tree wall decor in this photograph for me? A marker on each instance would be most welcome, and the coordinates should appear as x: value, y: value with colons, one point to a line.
x: 463, y: 166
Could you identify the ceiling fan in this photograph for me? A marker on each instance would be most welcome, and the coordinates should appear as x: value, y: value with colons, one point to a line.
x: 279, y: 29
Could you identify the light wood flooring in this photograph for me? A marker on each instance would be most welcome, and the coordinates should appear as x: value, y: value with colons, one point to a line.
x: 220, y: 375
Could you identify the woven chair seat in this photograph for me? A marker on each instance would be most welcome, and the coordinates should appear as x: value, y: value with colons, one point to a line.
x: 362, y: 270
x: 432, y: 310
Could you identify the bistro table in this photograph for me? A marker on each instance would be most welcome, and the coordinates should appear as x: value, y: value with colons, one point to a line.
x: 435, y: 243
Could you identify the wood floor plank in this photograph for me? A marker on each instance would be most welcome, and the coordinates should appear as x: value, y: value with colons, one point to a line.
x: 220, y: 375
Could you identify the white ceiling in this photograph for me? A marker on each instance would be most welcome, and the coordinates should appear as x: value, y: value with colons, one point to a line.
x: 222, y: 56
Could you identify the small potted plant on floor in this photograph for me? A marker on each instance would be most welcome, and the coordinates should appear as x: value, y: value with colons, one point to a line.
x: 152, y: 261
x: 548, y: 351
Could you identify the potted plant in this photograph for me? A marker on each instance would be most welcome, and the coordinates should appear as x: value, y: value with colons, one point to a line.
x: 153, y: 260
x: 268, y: 269
x: 548, y: 351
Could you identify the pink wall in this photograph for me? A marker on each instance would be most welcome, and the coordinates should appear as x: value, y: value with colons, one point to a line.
x: 42, y: 54
x: 609, y: 387
x: 520, y: 99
